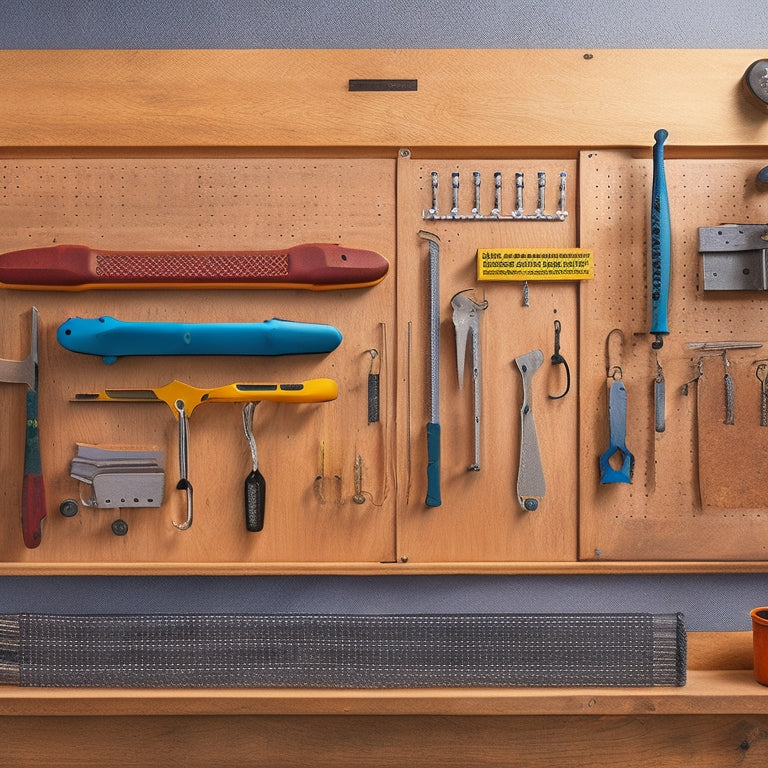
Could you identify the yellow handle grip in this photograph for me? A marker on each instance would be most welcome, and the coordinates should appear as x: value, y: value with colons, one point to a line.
x: 311, y: 391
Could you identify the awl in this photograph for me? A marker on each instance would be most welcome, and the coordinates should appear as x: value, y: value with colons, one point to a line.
x: 33, y: 509
x: 111, y: 338
x: 315, y: 266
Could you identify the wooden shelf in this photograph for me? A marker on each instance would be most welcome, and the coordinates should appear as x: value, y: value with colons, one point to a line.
x: 706, y: 692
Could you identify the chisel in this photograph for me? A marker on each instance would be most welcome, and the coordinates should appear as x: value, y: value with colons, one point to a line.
x: 315, y: 266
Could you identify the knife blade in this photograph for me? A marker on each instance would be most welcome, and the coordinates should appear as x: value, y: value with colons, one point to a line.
x: 314, y: 266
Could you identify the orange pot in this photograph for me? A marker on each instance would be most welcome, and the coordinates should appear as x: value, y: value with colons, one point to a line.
x: 760, y: 643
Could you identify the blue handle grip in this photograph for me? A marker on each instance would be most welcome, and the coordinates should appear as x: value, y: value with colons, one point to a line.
x: 660, y: 239
x: 433, y: 465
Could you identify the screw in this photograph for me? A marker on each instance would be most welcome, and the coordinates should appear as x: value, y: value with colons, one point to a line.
x: 68, y: 508
x: 119, y: 527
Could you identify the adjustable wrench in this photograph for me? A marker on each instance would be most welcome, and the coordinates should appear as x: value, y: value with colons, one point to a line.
x: 466, y: 319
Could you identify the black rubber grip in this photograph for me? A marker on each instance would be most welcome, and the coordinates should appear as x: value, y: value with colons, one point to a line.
x: 255, y: 491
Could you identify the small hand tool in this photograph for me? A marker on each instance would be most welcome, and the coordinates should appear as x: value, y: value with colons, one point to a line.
x: 255, y: 484
x: 659, y: 399
x: 617, y: 421
x: 531, y: 485
x: 113, y: 338
x: 558, y: 359
x: 660, y: 243
x: 761, y: 372
x: 466, y: 319
x: 182, y: 399
x: 33, y: 506
x: 433, y: 427
x: 316, y: 266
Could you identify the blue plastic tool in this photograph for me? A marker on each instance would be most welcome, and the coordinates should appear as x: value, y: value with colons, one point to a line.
x: 617, y: 419
x: 660, y: 243
x: 113, y: 338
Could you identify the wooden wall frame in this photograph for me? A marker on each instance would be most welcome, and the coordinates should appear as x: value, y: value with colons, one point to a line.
x: 550, y: 105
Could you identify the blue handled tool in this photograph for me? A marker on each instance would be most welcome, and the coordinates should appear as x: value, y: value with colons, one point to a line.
x: 660, y: 243
x: 617, y: 421
x: 433, y: 427
x: 113, y: 338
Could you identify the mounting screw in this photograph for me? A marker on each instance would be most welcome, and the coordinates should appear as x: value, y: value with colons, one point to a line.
x: 68, y: 508
x: 119, y: 527
x: 405, y: 153
x: 404, y: 559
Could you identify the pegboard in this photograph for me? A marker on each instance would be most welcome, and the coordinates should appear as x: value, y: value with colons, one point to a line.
x: 480, y: 518
x: 329, y: 472
x: 662, y: 514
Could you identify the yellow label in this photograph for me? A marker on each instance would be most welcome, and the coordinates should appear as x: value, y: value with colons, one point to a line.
x: 534, y: 264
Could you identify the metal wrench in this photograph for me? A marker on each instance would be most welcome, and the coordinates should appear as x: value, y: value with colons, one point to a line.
x: 466, y: 319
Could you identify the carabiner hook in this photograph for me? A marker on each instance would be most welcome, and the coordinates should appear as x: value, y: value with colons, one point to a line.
x: 184, y: 484
x: 558, y: 359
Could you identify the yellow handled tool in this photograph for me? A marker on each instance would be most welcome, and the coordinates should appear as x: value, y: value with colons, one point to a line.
x: 183, y: 398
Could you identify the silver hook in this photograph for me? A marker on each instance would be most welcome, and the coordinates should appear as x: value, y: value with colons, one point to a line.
x: 184, y: 484
x: 613, y: 371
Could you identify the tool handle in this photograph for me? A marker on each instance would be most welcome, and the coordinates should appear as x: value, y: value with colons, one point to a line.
x: 33, y: 508
x: 255, y: 493
x: 660, y: 239
x: 433, y: 465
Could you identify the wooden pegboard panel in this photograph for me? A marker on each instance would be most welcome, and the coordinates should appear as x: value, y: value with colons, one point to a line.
x: 480, y: 519
x: 660, y: 515
x: 185, y: 204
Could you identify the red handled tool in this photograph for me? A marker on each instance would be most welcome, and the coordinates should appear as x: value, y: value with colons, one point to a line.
x: 316, y: 266
x: 33, y: 508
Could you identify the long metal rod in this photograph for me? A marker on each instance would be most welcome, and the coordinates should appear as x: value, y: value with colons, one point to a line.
x: 433, y: 428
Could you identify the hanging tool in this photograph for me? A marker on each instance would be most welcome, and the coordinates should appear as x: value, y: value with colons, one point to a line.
x: 316, y: 266
x: 531, y: 485
x: 113, y: 338
x: 255, y: 484
x: 711, y: 348
x: 33, y: 506
x: 466, y: 320
x: 182, y: 399
x: 558, y: 359
x: 659, y: 398
x: 761, y: 372
x: 433, y: 427
x: 661, y: 242
x: 617, y: 424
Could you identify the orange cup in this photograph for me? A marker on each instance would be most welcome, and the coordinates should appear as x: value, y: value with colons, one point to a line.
x: 760, y: 643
